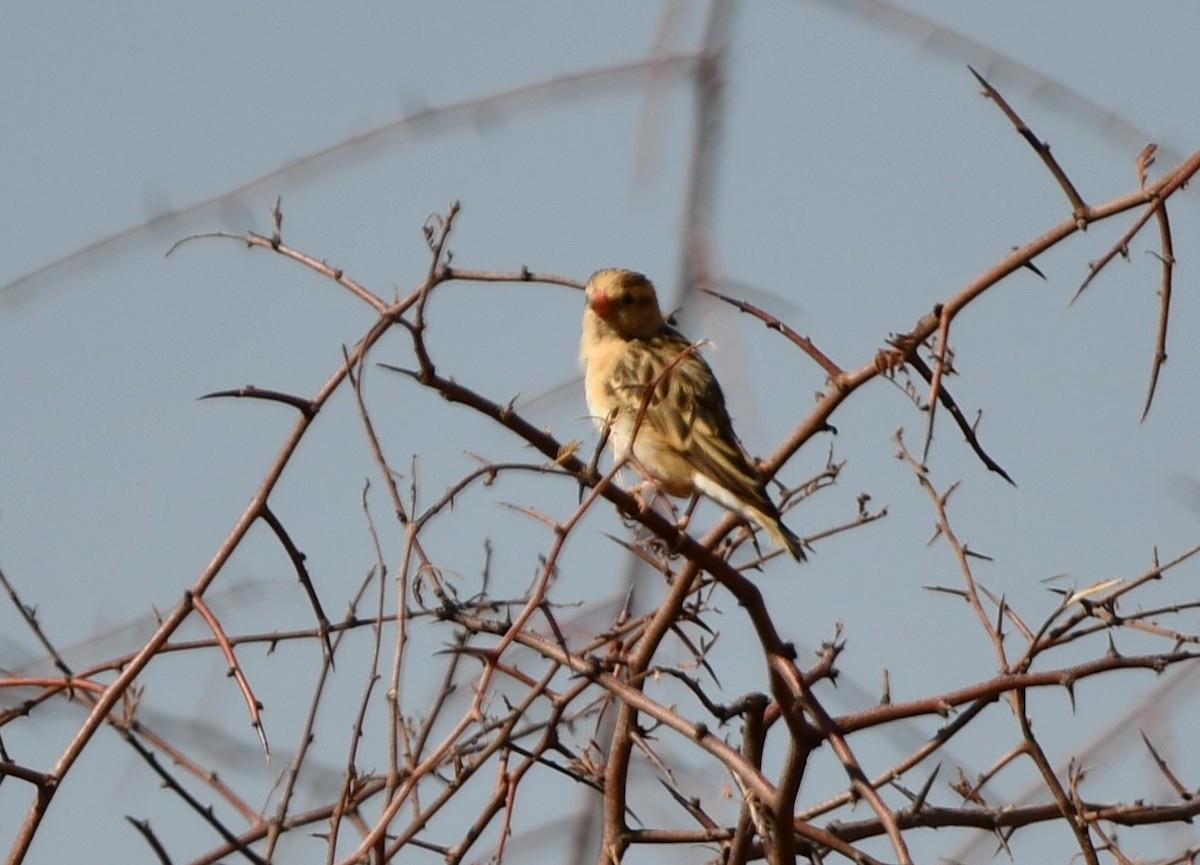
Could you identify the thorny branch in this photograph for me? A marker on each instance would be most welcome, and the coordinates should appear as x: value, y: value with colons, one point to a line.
x: 545, y: 679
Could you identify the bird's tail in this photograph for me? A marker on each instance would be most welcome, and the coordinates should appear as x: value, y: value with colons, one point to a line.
x: 778, y: 532
x: 786, y: 538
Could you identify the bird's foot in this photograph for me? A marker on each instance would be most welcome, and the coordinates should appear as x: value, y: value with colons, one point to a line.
x: 682, y: 522
x: 644, y: 493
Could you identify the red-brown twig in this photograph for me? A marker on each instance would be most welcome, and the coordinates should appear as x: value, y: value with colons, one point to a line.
x: 1078, y: 207
x: 802, y: 342
x: 235, y: 670
x: 1167, y: 257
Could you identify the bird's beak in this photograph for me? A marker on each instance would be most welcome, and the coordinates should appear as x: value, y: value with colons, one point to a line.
x: 601, y: 304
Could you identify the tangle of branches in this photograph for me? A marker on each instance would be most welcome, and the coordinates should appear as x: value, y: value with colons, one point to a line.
x: 601, y: 711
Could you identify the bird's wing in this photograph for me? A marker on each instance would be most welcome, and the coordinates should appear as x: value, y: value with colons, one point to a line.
x: 687, y: 413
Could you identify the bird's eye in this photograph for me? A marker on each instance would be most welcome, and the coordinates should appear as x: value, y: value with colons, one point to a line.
x: 626, y: 299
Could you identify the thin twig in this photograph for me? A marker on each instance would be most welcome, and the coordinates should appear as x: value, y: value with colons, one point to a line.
x: 1167, y: 258
x: 235, y: 670
x: 1078, y: 207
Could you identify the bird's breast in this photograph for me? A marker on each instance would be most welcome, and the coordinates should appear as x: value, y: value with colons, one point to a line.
x: 599, y: 356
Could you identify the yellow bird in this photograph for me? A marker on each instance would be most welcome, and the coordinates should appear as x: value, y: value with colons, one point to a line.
x: 685, y: 440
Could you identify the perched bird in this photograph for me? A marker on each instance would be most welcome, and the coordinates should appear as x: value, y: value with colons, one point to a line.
x: 685, y: 440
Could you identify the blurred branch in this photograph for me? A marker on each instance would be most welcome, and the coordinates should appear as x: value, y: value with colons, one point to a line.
x: 352, y: 149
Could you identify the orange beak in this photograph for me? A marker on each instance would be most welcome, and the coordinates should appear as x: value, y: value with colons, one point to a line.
x: 601, y: 304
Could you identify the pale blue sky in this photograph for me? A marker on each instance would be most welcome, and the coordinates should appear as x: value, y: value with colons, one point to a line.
x: 863, y: 178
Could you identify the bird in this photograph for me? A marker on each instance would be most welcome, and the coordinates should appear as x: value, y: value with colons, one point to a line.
x: 685, y: 440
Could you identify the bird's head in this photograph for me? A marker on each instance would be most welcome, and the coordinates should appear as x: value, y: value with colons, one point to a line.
x: 626, y: 302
